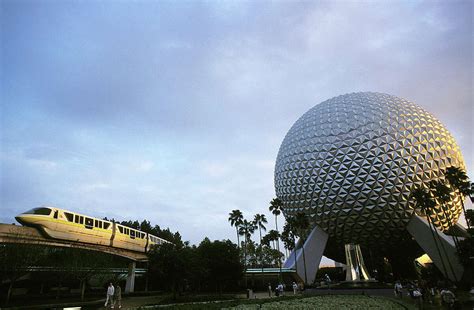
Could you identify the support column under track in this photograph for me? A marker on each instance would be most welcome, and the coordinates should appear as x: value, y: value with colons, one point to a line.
x: 130, y: 285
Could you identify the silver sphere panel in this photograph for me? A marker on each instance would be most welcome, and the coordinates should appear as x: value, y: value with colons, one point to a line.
x: 351, y: 162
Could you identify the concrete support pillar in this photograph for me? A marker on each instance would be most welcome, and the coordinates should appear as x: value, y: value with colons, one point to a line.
x: 439, y: 247
x: 313, y: 252
x: 130, y: 285
x: 146, y: 275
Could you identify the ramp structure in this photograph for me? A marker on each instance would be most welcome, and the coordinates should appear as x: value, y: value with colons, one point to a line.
x: 356, y: 269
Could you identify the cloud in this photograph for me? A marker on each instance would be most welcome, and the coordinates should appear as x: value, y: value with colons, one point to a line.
x: 174, y: 112
x: 144, y: 166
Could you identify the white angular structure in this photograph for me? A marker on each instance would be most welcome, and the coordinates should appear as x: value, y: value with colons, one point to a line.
x: 314, y: 249
x: 351, y: 162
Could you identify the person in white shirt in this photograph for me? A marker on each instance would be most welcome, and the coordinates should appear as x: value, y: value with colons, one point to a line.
x: 110, y: 295
x: 295, y: 288
x: 447, y: 297
x: 281, y: 289
x: 398, y: 289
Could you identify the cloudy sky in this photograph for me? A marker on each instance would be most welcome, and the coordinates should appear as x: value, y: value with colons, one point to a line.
x: 173, y: 111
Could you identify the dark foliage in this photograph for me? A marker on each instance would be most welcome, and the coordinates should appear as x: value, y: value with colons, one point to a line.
x: 212, y: 266
x: 221, y: 263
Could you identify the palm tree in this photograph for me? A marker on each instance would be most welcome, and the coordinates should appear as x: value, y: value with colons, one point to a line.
x: 274, y: 236
x: 459, y: 181
x: 289, y: 240
x: 266, y: 240
x: 426, y: 203
x: 441, y: 193
x: 246, y: 229
x: 259, y: 221
x: 276, y: 206
x: 235, y: 219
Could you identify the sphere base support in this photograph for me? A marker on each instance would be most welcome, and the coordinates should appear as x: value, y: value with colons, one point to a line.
x: 439, y: 247
x: 308, y: 256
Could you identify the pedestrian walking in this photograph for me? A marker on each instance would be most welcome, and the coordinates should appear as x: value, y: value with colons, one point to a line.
x: 327, y: 279
x: 269, y: 290
x: 295, y: 288
x: 418, y: 296
x: 110, y: 295
x: 281, y: 289
x: 118, y: 296
x: 398, y: 289
x: 448, y: 298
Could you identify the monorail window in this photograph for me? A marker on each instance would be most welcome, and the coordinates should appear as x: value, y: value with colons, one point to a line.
x: 106, y: 225
x: 98, y: 223
x: 56, y: 214
x: 76, y: 219
x: 81, y: 220
x: 132, y: 234
x: 69, y: 216
x: 39, y: 211
x: 89, y: 223
x: 120, y: 229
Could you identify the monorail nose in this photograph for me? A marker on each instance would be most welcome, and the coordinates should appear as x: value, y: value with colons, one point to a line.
x: 21, y: 219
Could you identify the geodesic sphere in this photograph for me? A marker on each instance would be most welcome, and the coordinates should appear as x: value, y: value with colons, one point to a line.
x: 351, y: 162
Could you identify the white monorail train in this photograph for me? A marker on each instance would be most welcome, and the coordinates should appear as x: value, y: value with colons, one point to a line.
x: 66, y: 225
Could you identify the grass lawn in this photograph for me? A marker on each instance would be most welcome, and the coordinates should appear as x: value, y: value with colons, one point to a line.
x: 330, y: 302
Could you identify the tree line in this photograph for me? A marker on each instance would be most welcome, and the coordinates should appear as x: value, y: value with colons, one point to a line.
x: 267, y: 253
x: 178, y: 266
x: 254, y: 254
